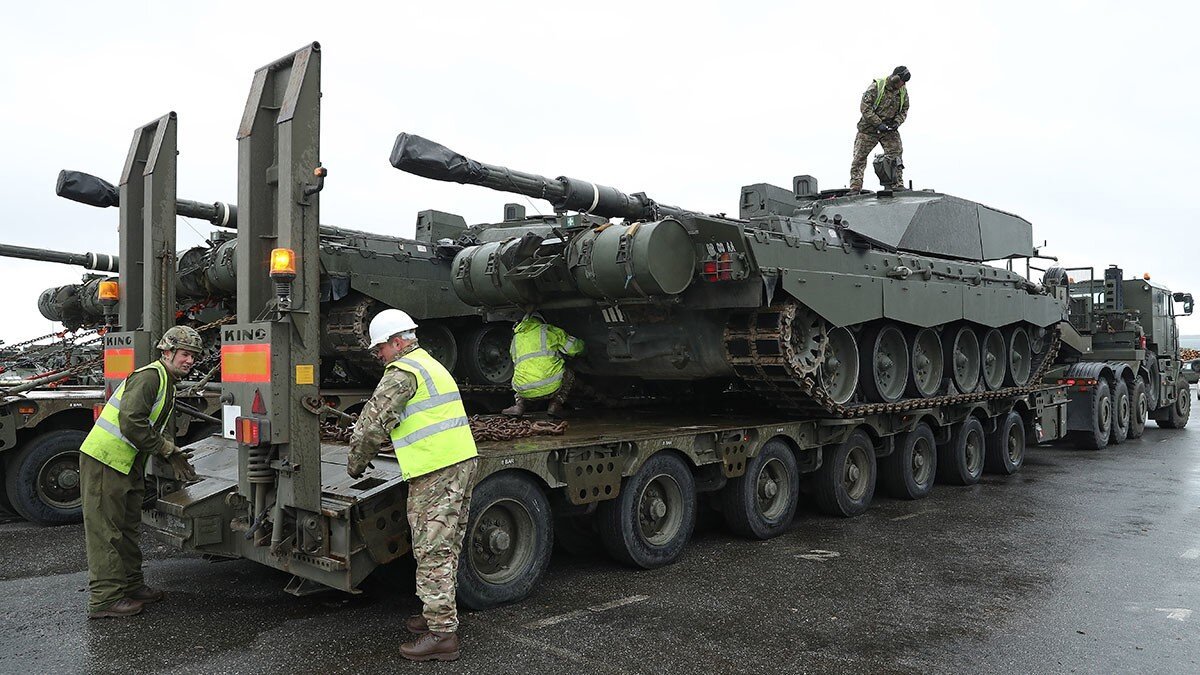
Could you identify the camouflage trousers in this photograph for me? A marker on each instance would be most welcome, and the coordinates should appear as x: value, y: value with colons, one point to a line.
x: 558, y: 396
x: 112, y: 515
x: 438, y: 504
x: 864, y: 143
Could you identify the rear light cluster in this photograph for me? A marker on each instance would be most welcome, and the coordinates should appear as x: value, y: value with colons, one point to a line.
x: 720, y: 268
x: 251, y: 431
x: 1082, y: 382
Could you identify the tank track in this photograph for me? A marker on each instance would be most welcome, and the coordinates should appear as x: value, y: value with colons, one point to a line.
x: 345, y: 325
x: 764, y: 361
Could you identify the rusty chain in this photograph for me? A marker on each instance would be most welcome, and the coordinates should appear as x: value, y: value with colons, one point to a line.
x: 496, y: 428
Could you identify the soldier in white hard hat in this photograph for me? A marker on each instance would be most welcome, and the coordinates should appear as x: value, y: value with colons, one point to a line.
x: 137, y: 421
x: 417, y: 406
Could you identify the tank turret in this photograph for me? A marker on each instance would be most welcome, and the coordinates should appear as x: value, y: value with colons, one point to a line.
x: 812, y: 300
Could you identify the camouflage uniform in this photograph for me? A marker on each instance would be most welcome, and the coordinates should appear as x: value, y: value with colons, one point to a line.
x: 891, y: 111
x: 438, y: 502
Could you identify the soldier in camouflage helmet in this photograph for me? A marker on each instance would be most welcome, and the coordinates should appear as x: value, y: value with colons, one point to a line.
x: 417, y: 406
x: 884, y: 107
x: 136, y: 422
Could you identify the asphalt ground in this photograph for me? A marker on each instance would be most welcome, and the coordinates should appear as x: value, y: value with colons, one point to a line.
x: 1082, y: 562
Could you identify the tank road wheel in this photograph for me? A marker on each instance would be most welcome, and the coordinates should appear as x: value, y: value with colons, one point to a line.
x: 1121, y: 414
x: 908, y: 472
x: 839, y: 370
x: 762, y: 502
x: 1006, y: 445
x: 1180, y: 411
x: 485, y: 358
x: 884, y: 370
x: 964, y: 359
x: 42, y: 478
x: 993, y: 359
x: 960, y: 462
x: 651, y: 520
x: 1100, y: 418
x: 1020, y: 356
x: 506, y: 548
x: 1138, y: 409
x: 437, y: 339
x: 925, y: 377
x: 845, y: 483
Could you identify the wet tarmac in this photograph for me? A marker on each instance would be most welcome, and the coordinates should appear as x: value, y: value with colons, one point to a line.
x: 1083, y: 562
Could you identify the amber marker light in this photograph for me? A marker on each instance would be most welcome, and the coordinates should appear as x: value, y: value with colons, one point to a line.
x: 283, y: 263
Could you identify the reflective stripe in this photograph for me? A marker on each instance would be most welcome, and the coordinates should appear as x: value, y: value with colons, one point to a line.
x: 431, y: 402
x: 112, y: 429
x: 531, y: 355
x: 570, y: 344
x: 540, y: 383
x: 424, y: 375
x: 426, y: 432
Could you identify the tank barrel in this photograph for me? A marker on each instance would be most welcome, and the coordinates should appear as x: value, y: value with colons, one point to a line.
x: 95, y: 191
x: 423, y: 157
x: 92, y: 261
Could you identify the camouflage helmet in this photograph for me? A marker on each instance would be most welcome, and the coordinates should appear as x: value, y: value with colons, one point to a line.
x: 181, y: 337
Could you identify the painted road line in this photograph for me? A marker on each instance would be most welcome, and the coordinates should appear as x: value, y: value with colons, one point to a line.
x: 1191, y: 554
x: 1177, y: 613
x: 594, y: 609
x: 817, y: 555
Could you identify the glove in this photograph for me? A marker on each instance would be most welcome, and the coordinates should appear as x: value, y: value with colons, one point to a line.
x: 182, y: 467
x: 883, y: 128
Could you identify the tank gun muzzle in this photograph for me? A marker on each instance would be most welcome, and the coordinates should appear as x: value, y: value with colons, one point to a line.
x: 95, y: 191
x: 102, y: 262
x: 423, y: 157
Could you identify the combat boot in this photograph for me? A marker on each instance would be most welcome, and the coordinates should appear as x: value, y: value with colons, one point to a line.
x: 120, y: 608
x: 432, y: 646
x: 417, y: 624
x: 515, y: 410
x: 144, y: 594
x: 556, y: 409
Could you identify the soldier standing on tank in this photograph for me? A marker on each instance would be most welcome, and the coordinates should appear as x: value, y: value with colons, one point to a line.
x: 884, y: 108
x: 539, y: 371
x: 417, y: 405
x: 135, y: 423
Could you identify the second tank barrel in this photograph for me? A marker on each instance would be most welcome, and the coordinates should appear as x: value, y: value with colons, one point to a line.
x: 102, y: 262
x: 95, y: 191
x: 423, y: 157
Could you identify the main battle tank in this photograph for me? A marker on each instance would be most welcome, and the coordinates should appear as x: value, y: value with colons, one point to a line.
x: 361, y: 274
x: 816, y: 301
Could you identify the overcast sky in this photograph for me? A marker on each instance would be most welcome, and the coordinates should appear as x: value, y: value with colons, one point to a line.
x: 1081, y: 117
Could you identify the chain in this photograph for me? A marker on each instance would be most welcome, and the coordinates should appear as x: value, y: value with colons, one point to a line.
x: 495, y: 428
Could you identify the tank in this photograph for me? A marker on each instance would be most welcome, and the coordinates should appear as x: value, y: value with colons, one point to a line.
x: 361, y: 274
x: 810, y: 300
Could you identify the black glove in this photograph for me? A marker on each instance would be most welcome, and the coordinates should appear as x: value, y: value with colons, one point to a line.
x: 883, y: 128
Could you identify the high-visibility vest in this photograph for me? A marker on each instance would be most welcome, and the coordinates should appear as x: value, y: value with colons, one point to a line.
x: 105, y: 442
x: 537, y: 362
x: 433, y: 432
x: 880, y: 85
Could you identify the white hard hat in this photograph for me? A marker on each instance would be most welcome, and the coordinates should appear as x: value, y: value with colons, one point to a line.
x: 388, y: 323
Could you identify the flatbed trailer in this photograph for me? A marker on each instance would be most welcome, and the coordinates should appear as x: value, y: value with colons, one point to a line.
x: 630, y: 479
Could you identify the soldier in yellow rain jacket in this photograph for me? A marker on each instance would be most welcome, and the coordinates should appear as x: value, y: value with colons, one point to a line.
x: 539, y: 371
x: 136, y: 422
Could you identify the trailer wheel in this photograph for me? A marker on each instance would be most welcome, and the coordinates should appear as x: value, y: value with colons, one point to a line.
x: 1120, y: 414
x: 960, y: 462
x: 1100, y: 418
x: 1006, y: 445
x: 506, y: 548
x: 761, y: 503
x: 1180, y: 411
x: 1139, y: 409
x: 650, y: 521
x: 908, y: 472
x: 42, y: 478
x: 845, y: 483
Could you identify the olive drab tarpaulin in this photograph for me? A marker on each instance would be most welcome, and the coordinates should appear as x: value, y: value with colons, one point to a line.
x: 86, y: 189
x: 422, y: 157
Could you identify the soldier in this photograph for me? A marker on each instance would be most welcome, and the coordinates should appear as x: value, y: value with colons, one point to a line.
x: 539, y: 372
x: 417, y: 404
x: 884, y: 108
x: 133, y: 425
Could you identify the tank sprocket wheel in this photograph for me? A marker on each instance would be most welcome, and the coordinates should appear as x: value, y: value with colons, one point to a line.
x: 805, y: 335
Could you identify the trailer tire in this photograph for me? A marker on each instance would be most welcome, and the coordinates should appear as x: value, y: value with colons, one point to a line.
x: 908, y: 472
x: 961, y: 461
x: 1139, y: 409
x: 42, y: 479
x: 1120, y: 414
x: 1100, y: 416
x: 1006, y: 445
x: 845, y: 483
x: 650, y: 521
x: 761, y: 503
x: 1179, y: 412
x: 507, y: 545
